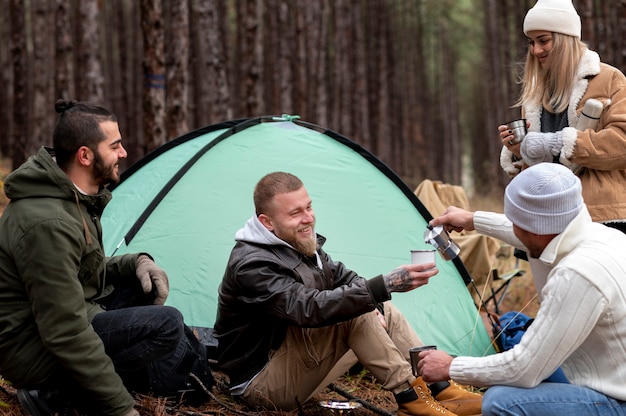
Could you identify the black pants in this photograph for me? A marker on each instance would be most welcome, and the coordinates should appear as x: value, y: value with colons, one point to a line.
x: 152, y: 350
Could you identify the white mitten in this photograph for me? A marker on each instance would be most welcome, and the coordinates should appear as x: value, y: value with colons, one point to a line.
x: 541, y: 147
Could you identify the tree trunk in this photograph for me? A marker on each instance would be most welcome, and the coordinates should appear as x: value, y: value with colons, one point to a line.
x: 63, y: 74
x: 267, y: 53
x: 249, y: 97
x: 43, y: 92
x: 422, y: 146
x: 178, y: 69
x: 132, y: 79
x: 21, y: 133
x: 488, y: 173
x: 286, y: 55
x: 211, y: 90
x: 216, y: 65
x: 89, y: 70
x: 317, y: 19
x: 449, y: 153
x: 301, y: 103
x: 202, y: 27
x: 6, y: 80
x: 154, y: 74
x: 342, y: 67
x: 360, y: 90
x: 383, y: 140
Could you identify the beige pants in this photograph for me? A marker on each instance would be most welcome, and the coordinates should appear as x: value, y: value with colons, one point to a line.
x: 311, y: 358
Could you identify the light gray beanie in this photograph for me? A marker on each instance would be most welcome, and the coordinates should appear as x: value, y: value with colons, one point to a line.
x: 558, y: 16
x: 543, y: 198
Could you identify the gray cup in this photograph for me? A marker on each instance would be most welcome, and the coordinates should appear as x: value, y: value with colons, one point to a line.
x: 518, y: 128
x: 414, y: 352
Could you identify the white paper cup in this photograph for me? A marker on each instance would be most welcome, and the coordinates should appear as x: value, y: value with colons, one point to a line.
x: 423, y: 256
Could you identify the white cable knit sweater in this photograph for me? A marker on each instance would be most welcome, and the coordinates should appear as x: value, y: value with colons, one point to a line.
x: 581, y: 324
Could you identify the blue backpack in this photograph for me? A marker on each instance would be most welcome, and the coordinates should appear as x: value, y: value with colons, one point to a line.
x: 508, y: 330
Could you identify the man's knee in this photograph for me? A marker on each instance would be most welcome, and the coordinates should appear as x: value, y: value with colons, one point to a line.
x: 172, y: 322
x: 496, y: 401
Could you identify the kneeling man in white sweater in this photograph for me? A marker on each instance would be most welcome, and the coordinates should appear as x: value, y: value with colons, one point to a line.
x: 581, y: 323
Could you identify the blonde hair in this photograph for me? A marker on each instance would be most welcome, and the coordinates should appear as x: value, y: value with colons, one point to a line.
x: 552, y: 85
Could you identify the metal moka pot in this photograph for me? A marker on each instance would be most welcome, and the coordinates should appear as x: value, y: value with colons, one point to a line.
x: 440, y: 239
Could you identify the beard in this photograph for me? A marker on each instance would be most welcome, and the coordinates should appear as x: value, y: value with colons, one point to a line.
x: 104, y: 174
x: 306, y: 247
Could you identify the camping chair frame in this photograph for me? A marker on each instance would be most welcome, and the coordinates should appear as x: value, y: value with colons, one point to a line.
x: 497, y: 295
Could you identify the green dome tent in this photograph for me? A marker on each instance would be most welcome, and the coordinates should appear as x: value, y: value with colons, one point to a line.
x: 183, y: 203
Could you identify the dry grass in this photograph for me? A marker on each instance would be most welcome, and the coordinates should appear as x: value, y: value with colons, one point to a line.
x: 360, y: 387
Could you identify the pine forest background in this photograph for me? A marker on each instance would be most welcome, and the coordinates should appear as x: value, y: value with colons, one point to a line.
x: 422, y: 84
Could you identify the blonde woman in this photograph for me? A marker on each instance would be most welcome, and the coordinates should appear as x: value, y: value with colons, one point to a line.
x: 560, y: 75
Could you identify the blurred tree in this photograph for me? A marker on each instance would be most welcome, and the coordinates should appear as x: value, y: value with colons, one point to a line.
x: 604, y: 22
x: 380, y: 83
x: 19, y: 145
x: 155, y: 133
x: 43, y: 86
x: 6, y: 82
x: 127, y: 56
x: 287, y: 60
x: 317, y: 21
x: 211, y: 90
x: 63, y: 68
x: 421, y: 84
x: 450, y: 142
x: 342, y: 67
x: 90, y: 80
x: 246, y: 63
x: 177, y: 68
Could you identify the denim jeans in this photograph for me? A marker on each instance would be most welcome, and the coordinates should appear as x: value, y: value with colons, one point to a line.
x: 554, y: 399
x: 137, y: 336
x: 152, y: 349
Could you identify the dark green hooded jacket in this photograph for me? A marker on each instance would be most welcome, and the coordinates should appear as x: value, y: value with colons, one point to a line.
x: 52, y: 270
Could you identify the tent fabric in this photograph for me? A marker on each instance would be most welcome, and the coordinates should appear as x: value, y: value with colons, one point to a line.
x: 184, y: 202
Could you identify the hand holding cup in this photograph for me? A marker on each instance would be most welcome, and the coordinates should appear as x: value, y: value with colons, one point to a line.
x: 414, y: 354
x: 423, y: 256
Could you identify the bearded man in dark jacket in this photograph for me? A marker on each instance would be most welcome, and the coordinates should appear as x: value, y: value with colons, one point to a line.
x: 290, y: 319
x: 76, y: 326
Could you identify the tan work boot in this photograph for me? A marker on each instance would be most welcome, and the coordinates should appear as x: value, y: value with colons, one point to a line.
x: 417, y: 401
x: 456, y: 398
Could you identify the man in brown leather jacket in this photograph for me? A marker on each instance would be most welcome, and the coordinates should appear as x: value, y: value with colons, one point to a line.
x: 288, y: 314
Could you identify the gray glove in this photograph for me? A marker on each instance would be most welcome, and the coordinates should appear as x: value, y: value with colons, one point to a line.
x: 149, y: 275
x: 541, y: 147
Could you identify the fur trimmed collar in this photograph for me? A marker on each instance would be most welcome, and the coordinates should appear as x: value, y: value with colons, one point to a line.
x: 589, y: 66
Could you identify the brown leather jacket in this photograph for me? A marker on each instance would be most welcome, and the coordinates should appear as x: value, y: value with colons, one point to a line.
x: 267, y: 288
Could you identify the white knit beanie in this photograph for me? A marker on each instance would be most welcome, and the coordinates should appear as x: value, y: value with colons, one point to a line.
x: 558, y: 16
x: 543, y: 198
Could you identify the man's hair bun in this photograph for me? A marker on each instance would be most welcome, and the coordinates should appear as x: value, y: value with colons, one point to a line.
x: 63, y: 105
